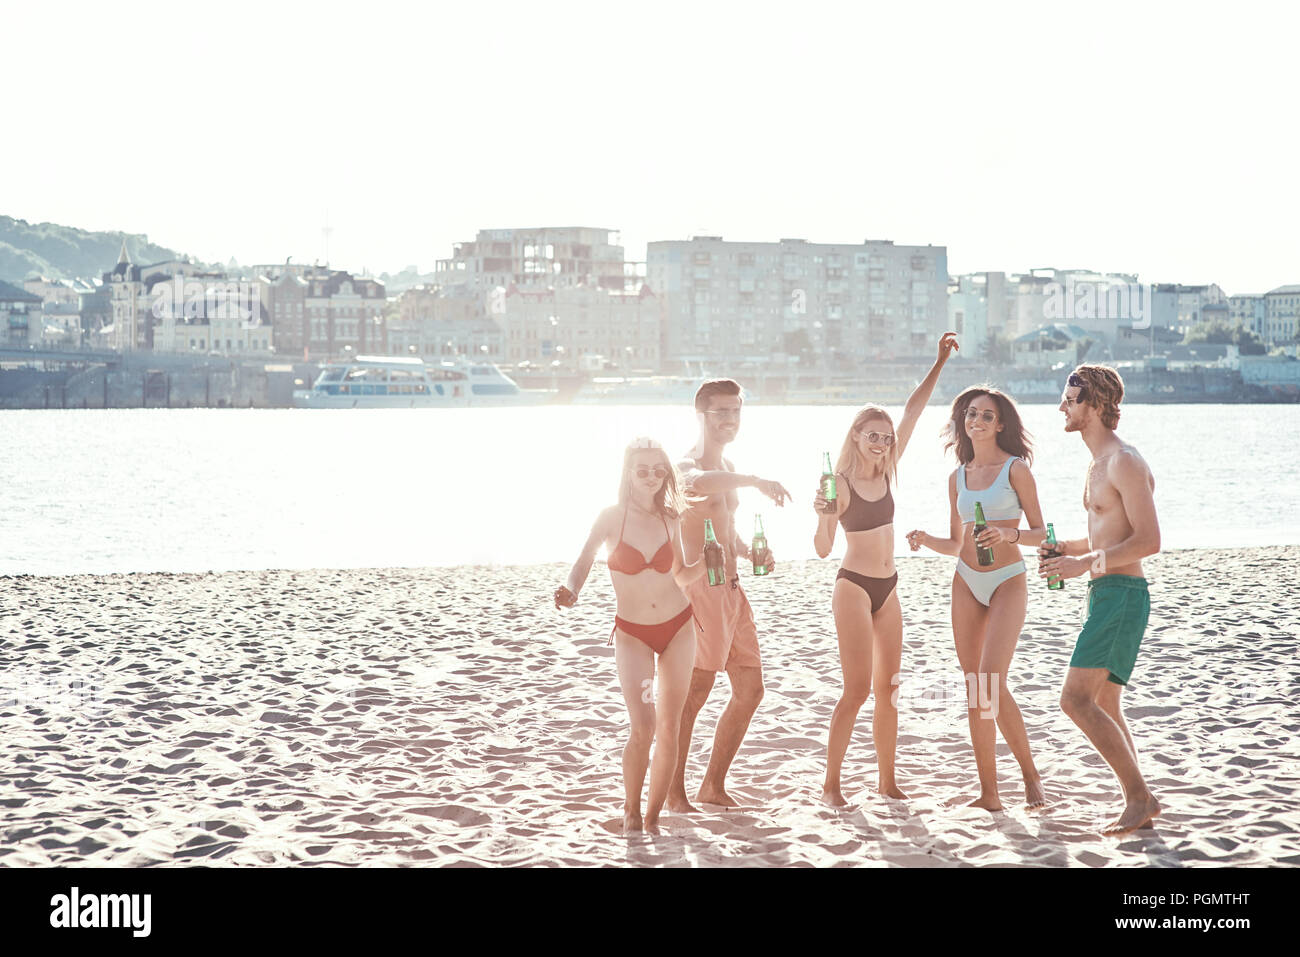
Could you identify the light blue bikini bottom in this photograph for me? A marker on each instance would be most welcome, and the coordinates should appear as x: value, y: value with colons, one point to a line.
x: 983, y: 584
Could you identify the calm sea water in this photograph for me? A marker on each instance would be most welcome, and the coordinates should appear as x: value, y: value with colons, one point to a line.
x: 193, y: 490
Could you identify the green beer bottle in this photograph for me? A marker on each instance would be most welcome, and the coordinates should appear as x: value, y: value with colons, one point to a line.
x: 828, y: 485
x: 713, y: 560
x: 982, y: 555
x: 1053, y: 582
x: 759, y: 546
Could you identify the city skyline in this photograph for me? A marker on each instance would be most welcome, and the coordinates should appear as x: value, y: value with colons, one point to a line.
x: 1163, y: 155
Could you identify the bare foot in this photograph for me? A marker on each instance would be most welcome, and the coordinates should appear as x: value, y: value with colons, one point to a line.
x: 678, y: 804
x: 631, y: 822
x: 1137, y: 814
x: 986, y: 803
x: 891, y: 791
x: 1034, y: 795
x: 716, y: 796
x: 652, y: 824
x: 833, y: 797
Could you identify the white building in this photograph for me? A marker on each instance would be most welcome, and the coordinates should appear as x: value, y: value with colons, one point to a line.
x: 978, y: 307
x: 733, y: 301
x: 1180, y: 307
x: 62, y: 291
x: 1282, y: 306
x: 1251, y: 311
x: 581, y: 327
x: 541, y: 257
x: 132, y: 298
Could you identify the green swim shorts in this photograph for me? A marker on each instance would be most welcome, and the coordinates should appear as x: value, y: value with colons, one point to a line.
x: 1118, y: 606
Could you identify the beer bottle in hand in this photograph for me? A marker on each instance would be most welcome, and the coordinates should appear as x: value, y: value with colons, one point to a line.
x: 759, y: 547
x: 1054, y: 582
x: 713, y: 561
x: 982, y: 555
x: 828, y: 485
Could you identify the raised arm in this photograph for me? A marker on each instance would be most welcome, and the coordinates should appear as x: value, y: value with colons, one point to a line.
x: 712, y: 482
x: 600, y: 531
x: 920, y: 396
x: 944, y: 546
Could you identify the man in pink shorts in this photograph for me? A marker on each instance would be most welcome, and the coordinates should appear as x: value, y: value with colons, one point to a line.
x: 725, y: 637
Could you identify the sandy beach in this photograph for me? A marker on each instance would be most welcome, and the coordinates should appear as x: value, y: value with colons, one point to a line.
x: 452, y: 717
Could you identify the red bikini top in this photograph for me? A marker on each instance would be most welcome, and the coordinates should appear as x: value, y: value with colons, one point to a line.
x: 631, y: 561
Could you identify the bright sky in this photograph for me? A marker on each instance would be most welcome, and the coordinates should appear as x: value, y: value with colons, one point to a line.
x: 1110, y: 136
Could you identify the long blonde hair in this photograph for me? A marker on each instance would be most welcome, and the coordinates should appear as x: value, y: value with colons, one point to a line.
x: 851, y: 461
x: 669, y: 498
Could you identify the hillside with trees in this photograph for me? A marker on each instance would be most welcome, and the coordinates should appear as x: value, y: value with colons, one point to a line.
x: 65, y: 252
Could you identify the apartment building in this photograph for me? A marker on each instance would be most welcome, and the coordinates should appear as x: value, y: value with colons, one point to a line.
x: 738, y: 301
x: 1180, y: 307
x: 426, y: 322
x: 581, y: 327
x: 1282, y: 307
x: 324, y: 313
x: 21, y: 321
x: 1251, y: 312
x: 546, y: 256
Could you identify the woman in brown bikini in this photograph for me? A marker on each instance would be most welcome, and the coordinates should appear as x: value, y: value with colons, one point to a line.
x: 868, y: 618
x: 653, y: 618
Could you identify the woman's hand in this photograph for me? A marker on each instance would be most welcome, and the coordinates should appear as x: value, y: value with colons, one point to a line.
x: 824, y: 506
x: 916, y: 538
x: 993, y: 535
x: 565, y: 598
x: 948, y: 345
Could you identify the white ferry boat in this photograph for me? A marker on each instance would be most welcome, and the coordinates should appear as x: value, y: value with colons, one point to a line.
x: 407, y: 382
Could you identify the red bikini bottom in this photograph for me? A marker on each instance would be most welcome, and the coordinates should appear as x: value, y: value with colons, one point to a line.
x: 657, y: 637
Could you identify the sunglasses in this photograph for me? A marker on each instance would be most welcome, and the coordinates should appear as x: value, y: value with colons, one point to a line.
x: 878, y: 438
x: 658, y: 471
x: 988, y: 415
x: 1078, y: 383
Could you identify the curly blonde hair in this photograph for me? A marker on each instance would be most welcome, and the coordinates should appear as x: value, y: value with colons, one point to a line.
x: 1103, y: 390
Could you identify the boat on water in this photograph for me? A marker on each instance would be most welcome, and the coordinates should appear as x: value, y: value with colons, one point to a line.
x: 408, y: 382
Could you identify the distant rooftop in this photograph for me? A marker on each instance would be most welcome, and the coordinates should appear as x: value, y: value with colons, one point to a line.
x: 12, y: 293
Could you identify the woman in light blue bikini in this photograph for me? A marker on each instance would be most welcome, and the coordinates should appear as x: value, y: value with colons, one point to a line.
x: 988, y: 606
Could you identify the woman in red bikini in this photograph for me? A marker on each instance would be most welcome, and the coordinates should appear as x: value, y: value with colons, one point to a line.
x: 868, y: 618
x: 654, y: 618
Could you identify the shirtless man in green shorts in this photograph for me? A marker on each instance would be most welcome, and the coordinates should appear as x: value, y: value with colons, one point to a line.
x: 1122, y: 530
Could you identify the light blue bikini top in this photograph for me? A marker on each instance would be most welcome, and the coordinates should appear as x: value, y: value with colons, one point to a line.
x: 999, y: 500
